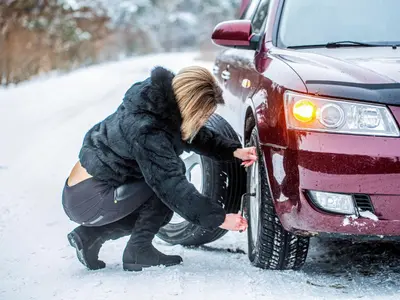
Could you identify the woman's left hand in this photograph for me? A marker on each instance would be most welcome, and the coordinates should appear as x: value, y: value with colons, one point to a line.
x: 247, y: 155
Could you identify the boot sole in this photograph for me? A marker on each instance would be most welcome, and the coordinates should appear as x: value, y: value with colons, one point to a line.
x: 140, y: 267
x: 76, y: 242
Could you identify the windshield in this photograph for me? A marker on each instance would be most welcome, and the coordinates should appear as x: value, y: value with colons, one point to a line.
x: 316, y: 22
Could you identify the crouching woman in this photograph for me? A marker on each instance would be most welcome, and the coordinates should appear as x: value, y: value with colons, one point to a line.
x: 130, y: 179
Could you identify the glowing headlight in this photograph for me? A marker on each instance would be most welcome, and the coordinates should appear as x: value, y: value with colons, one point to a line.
x: 304, y: 111
x: 321, y: 114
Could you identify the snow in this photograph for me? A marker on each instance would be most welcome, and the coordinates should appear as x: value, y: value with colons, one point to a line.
x: 347, y: 219
x: 354, y: 220
x: 73, y: 4
x: 189, y: 18
x: 279, y: 171
x: 41, y: 128
x: 369, y: 215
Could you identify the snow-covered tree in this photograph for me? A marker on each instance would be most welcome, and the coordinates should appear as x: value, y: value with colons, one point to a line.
x: 42, y: 35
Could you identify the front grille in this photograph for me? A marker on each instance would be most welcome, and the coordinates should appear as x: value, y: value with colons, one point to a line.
x: 364, y: 203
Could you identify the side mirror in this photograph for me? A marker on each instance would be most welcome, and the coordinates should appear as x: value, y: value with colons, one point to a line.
x: 235, y: 34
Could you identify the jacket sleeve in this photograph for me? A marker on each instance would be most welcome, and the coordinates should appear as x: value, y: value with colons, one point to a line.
x: 164, y: 172
x: 210, y: 143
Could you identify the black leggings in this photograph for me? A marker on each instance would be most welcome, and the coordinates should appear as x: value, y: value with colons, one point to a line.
x: 95, y: 203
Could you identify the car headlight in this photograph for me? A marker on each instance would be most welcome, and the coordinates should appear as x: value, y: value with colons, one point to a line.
x: 312, y: 113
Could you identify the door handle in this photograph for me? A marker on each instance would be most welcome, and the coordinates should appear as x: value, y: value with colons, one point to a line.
x: 226, y: 75
x: 215, y: 70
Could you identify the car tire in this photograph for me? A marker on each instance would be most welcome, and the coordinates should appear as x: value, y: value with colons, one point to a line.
x: 224, y: 181
x: 270, y: 246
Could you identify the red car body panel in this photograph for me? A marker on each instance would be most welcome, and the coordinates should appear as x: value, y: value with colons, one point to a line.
x: 336, y: 163
x: 297, y: 161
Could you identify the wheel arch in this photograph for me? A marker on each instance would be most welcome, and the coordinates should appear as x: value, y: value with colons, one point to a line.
x: 250, y: 120
x: 286, y: 250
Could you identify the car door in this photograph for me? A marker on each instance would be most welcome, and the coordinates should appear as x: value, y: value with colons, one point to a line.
x: 250, y: 77
x: 240, y: 67
x: 228, y: 69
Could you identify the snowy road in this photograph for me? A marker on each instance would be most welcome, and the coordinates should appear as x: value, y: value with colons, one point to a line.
x: 41, y: 128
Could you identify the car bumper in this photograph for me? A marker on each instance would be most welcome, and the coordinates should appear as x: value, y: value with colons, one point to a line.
x: 341, y: 164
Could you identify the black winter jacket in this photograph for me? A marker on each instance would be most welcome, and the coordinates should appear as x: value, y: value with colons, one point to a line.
x: 142, y: 140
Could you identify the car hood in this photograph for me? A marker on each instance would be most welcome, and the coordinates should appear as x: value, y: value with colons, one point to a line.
x: 366, y: 74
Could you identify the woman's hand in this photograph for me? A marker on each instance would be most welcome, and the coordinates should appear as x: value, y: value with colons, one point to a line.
x: 247, y: 155
x: 234, y: 222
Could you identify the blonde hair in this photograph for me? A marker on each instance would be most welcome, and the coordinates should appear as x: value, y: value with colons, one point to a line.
x: 197, y: 94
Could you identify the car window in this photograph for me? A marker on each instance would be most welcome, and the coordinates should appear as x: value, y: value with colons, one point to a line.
x: 251, y: 10
x: 317, y: 22
x: 260, y: 16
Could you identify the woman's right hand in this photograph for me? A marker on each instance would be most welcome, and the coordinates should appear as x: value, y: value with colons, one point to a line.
x: 234, y: 222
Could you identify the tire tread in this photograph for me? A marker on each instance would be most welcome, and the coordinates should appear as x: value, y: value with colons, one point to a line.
x: 278, y: 249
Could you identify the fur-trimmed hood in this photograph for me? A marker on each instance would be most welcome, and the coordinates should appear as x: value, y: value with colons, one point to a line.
x: 155, y: 96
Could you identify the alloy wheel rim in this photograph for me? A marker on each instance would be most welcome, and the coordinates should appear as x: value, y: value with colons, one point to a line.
x: 254, y: 202
x: 194, y: 174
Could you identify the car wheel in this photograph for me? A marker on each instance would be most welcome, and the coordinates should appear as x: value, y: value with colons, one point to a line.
x: 270, y: 246
x: 224, y: 181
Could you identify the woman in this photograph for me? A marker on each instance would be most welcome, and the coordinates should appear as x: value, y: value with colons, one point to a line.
x: 129, y: 178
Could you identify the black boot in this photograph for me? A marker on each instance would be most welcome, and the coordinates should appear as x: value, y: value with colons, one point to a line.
x: 87, y: 241
x: 140, y: 252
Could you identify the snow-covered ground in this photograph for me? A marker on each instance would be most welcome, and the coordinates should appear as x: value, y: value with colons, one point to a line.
x: 42, y: 124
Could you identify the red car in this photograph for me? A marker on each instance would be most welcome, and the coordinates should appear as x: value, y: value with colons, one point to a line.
x: 315, y: 85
